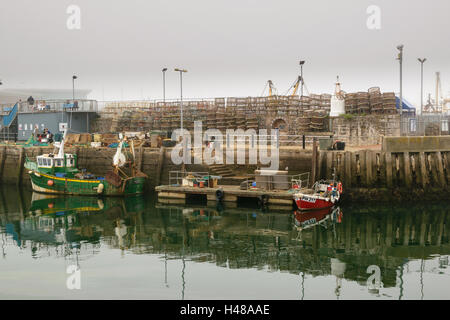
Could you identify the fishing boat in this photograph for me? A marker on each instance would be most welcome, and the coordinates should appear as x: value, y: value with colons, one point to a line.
x: 57, y: 173
x: 324, y: 194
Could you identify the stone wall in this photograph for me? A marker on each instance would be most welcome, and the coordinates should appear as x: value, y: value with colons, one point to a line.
x: 365, y: 130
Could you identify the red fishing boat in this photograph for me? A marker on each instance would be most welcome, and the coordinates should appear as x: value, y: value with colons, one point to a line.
x: 324, y: 194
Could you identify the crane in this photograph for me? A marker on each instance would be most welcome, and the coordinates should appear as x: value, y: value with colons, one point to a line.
x: 272, y: 88
x: 295, y: 85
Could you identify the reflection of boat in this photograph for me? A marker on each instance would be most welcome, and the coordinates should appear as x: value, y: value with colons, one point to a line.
x: 325, y: 194
x: 49, y: 204
x: 57, y: 173
x: 307, y: 219
x: 44, y: 204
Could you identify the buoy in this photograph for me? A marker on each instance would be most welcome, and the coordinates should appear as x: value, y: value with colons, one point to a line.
x: 50, y: 205
x: 100, y: 188
x: 50, y: 182
x: 340, y: 187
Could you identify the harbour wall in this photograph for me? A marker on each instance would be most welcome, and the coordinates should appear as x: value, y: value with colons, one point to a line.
x: 366, y: 174
x: 389, y: 176
x: 155, y: 162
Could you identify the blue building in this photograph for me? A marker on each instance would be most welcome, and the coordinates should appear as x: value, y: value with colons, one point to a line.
x: 19, y: 121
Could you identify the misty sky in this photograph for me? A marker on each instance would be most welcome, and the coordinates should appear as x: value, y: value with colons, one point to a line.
x: 230, y: 48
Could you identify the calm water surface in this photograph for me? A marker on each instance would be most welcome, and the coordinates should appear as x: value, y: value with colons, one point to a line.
x: 138, y: 249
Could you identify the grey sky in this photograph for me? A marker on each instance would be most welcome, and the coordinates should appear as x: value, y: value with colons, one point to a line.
x: 230, y: 48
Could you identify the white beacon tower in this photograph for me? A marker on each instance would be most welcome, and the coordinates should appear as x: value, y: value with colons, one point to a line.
x: 337, y: 101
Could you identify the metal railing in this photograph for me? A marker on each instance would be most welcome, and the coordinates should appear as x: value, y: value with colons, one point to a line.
x: 277, y: 181
x: 39, y: 106
x: 425, y: 125
x: 176, y: 177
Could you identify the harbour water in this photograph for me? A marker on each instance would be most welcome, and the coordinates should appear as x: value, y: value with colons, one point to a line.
x: 135, y: 248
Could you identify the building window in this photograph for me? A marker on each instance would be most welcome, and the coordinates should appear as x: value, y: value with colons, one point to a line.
x: 444, y: 125
x: 412, y: 125
x: 26, y: 127
x: 20, y: 126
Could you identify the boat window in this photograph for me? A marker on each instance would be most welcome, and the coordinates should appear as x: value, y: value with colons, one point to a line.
x: 58, y: 163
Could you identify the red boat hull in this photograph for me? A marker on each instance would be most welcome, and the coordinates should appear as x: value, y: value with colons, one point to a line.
x: 312, y: 203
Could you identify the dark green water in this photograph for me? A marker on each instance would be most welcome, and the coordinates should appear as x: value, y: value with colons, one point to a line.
x: 137, y: 249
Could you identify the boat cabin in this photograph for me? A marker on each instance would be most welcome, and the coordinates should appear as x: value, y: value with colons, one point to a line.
x: 51, y: 163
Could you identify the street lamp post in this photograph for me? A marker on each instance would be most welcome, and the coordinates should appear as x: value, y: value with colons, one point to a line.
x: 73, y: 87
x: 164, y: 85
x: 181, y: 71
x: 421, y: 83
x: 74, y: 77
x: 302, y: 62
x: 400, y: 59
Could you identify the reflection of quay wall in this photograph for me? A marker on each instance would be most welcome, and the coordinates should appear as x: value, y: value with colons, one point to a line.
x: 386, y: 237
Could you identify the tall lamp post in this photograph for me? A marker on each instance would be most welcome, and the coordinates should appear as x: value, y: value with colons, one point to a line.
x: 400, y: 59
x: 74, y: 77
x: 73, y: 87
x: 181, y: 71
x: 421, y: 83
x: 302, y: 62
x: 164, y: 85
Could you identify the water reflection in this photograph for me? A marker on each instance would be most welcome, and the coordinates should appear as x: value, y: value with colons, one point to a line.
x: 309, y: 245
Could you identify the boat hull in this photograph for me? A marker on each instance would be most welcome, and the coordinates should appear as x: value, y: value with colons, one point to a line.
x: 46, y: 183
x: 313, y: 202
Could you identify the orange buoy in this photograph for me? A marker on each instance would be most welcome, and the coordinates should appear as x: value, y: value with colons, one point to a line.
x: 50, y: 182
x: 50, y: 205
x: 201, y: 184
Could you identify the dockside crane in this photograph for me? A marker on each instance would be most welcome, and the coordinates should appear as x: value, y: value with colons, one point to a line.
x: 296, y: 85
x: 272, y: 89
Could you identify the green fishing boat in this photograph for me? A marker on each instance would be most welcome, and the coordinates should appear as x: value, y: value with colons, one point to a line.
x: 57, y: 173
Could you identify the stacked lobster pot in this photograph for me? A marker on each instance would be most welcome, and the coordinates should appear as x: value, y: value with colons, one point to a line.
x: 261, y: 105
x: 314, y: 102
x: 376, y: 100
x: 318, y: 120
x: 325, y: 102
x: 220, y: 119
x: 305, y: 102
x: 293, y: 106
x: 363, y: 102
x: 350, y: 103
x: 389, y: 103
x: 252, y: 121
